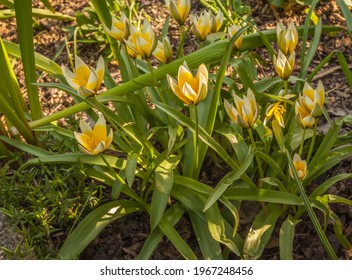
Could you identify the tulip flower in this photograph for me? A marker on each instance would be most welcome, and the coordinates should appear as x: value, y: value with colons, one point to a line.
x: 163, y: 51
x: 284, y: 65
x: 313, y: 100
x: 276, y: 110
x: 119, y: 28
x: 143, y: 41
x: 231, y: 31
x: 287, y: 39
x: 179, y: 10
x: 216, y: 21
x: 303, y: 115
x: 246, y: 110
x: 86, y: 81
x: 190, y: 89
x: 300, y: 167
x: 201, y: 25
x: 94, y: 141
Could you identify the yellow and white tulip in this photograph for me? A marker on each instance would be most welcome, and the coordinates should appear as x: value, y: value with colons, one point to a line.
x: 287, y: 39
x: 284, y: 65
x: 119, y: 28
x: 85, y: 80
x: 246, y: 110
x: 179, y: 10
x: 201, y: 25
x: 142, y: 41
x: 300, y: 167
x: 216, y: 21
x: 190, y: 89
x: 313, y: 100
x: 94, y: 141
x: 163, y: 51
x: 231, y: 31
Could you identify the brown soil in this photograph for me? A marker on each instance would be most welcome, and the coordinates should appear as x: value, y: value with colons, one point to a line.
x: 124, y: 238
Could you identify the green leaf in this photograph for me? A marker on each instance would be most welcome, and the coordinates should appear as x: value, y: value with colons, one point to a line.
x: 205, y: 137
x: 171, y: 217
x: 272, y: 163
x: 23, y: 10
x: 263, y: 195
x: 287, y: 233
x: 322, y: 188
x: 164, y: 177
x: 217, y: 229
x: 194, y: 204
x: 260, y: 231
x: 93, y: 224
x: 41, y: 61
x: 26, y: 147
x: 131, y: 166
x: 347, y: 15
x: 228, y: 180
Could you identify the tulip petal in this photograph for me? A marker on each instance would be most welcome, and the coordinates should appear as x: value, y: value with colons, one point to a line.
x: 70, y: 77
x: 176, y: 90
x: 82, y: 71
x: 100, y: 71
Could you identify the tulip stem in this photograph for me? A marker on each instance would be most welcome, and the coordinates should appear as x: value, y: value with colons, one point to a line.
x: 311, y: 147
x: 194, y: 110
x: 302, y: 142
x: 261, y: 173
x: 182, y: 41
x: 151, y: 71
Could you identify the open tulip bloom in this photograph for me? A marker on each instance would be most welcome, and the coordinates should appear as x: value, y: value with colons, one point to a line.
x: 94, y: 141
x: 119, y: 28
x: 86, y: 81
x: 143, y: 41
x: 313, y: 100
x: 190, y: 89
x: 245, y: 112
x: 201, y: 25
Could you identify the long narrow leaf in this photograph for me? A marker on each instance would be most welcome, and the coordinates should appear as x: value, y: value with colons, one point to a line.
x: 23, y: 10
x: 228, y: 180
x: 287, y: 233
x: 93, y: 224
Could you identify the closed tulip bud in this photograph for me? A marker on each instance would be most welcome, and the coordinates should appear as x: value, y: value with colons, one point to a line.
x: 303, y: 115
x: 86, y: 81
x: 94, y: 141
x: 231, y: 31
x: 283, y: 65
x: 201, y: 25
x: 313, y: 100
x: 143, y: 41
x: 179, y: 10
x: 119, y: 28
x: 216, y: 21
x: 163, y: 51
x: 190, y: 89
x: 287, y: 39
x: 246, y: 110
x: 300, y: 167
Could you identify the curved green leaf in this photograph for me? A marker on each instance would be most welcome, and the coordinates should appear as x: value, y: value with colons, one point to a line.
x: 287, y: 233
x: 93, y: 224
